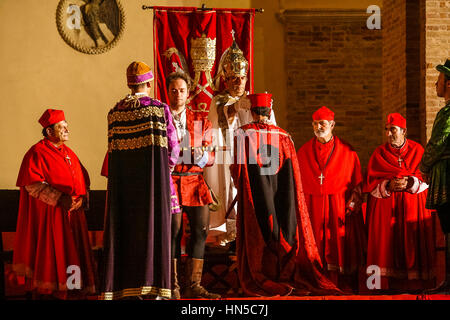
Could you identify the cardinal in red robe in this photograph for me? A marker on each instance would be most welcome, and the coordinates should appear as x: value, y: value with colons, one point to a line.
x: 332, y: 181
x: 401, y: 232
x: 52, y: 249
x: 276, y: 250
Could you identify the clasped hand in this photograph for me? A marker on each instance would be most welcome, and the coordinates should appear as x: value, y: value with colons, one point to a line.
x: 399, y: 184
x: 67, y: 203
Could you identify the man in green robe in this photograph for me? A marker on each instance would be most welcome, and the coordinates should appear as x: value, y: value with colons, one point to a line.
x: 435, y: 167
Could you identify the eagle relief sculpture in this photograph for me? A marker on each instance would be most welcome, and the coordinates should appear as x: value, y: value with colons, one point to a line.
x: 90, y: 26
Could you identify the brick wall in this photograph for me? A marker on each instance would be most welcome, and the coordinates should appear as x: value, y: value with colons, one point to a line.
x: 333, y: 59
x: 403, y: 52
x: 394, y: 57
x: 437, y: 49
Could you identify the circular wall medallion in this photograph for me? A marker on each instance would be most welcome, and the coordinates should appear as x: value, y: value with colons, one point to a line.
x: 90, y: 26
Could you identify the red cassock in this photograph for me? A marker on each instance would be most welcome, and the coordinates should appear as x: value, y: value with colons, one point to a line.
x: 401, y: 232
x: 49, y: 239
x: 341, y: 239
x: 276, y: 250
x: 191, y: 188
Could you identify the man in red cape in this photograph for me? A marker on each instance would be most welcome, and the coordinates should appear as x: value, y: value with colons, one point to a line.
x: 52, y: 232
x: 276, y: 250
x: 401, y: 232
x: 332, y: 181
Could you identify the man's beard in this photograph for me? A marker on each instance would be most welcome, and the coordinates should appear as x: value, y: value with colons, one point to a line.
x: 322, y: 134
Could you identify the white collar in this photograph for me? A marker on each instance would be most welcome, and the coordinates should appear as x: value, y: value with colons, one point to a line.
x: 179, y: 115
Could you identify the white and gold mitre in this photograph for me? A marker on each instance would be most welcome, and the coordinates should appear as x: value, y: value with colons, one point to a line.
x: 234, y: 62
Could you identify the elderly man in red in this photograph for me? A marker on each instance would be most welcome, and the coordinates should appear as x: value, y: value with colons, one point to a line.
x: 401, y: 232
x: 332, y: 181
x: 52, y: 240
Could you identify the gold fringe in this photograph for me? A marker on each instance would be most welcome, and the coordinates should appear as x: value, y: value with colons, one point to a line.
x: 130, y: 292
x: 410, y: 275
x: 25, y: 271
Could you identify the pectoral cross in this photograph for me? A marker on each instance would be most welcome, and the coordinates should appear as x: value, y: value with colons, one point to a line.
x: 321, y: 177
x: 400, y: 161
x: 68, y: 159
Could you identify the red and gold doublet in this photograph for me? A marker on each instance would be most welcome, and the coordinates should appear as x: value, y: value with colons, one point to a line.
x: 190, y: 186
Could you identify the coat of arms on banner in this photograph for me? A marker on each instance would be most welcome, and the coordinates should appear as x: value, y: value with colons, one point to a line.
x: 199, y: 44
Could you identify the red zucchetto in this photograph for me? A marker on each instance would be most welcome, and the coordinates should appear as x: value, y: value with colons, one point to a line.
x: 323, y: 113
x: 50, y: 117
x: 396, y: 119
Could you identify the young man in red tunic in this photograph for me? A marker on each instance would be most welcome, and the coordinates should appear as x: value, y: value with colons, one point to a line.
x: 276, y: 250
x: 194, y: 136
x: 52, y: 242
x: 401, y: 232
x: 332, y: 182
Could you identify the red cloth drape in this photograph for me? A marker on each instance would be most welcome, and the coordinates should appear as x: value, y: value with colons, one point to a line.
x: 384, y: 165
x: 174, y: 30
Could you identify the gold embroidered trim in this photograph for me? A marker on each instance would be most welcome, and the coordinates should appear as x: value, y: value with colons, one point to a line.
x: 136, y: 143
x: 333, y: 267
x: 166, y: 293
x: 136, y: 114
x: 410, y: 274
x: 137, y: 128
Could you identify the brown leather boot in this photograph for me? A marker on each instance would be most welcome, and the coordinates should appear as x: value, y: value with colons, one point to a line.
x: 193, y: 289
x: 175, y: 285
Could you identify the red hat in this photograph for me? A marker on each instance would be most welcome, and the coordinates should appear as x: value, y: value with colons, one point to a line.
x: 396, y: 119
x: 50, y: 117
x: 323, y: 113
x: 260, y: 100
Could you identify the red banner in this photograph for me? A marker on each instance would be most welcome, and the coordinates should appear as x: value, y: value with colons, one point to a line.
x: 193, y: 40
